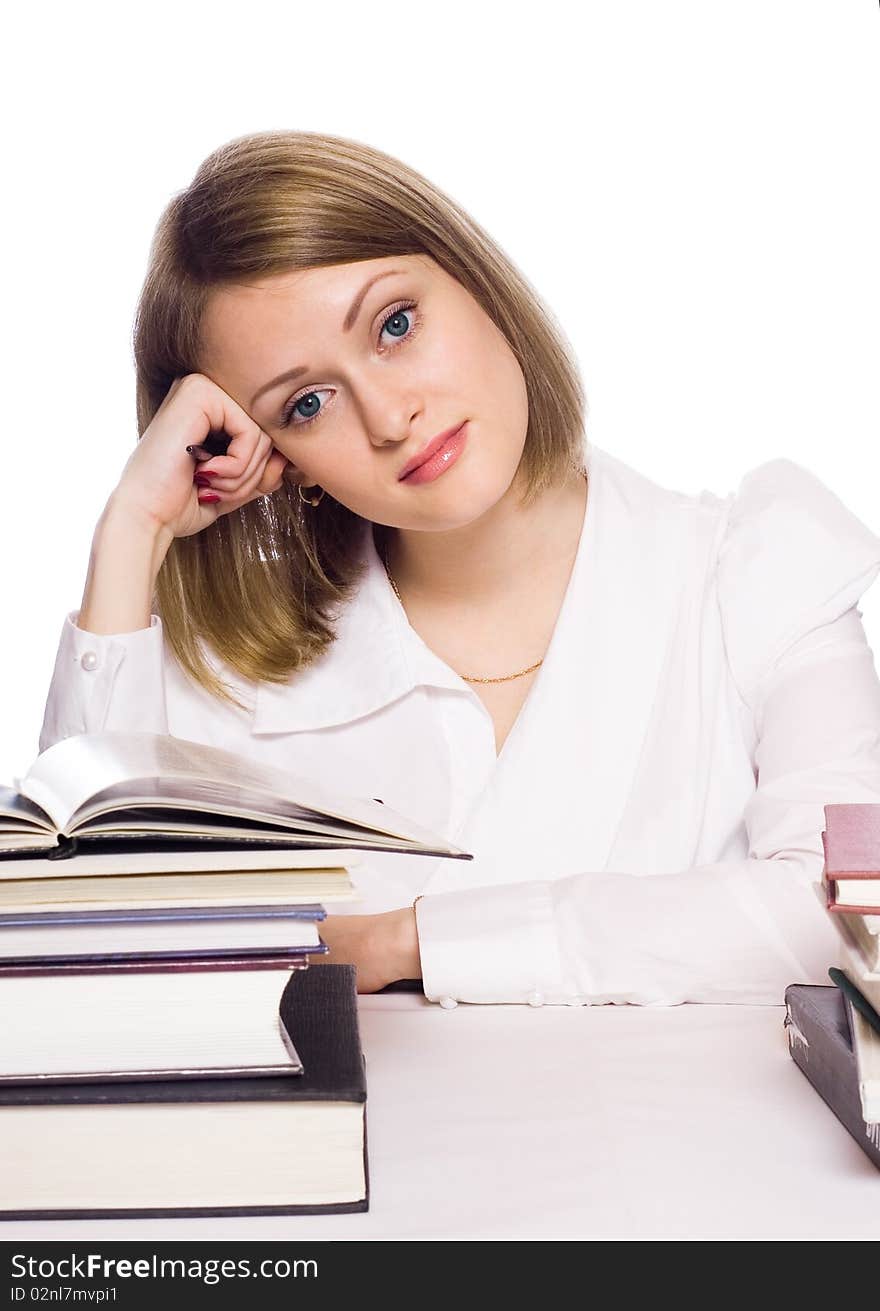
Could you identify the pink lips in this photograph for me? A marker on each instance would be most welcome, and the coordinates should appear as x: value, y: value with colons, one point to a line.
x: 439, y: 453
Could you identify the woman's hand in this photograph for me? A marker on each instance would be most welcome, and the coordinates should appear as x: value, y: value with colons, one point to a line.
x: 162, y: 485
x: 163, y: 493
x: 384, y: 948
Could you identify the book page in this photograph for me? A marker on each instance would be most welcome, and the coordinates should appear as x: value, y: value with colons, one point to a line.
x: 196, y: 806
x: 68, y: 781
x: 866, y: 1044
x: 19, y: 814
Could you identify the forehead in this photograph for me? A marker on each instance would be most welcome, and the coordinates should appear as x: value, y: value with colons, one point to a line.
x: 296, y: 297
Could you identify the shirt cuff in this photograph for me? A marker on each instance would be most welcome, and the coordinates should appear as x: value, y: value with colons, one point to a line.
x: 88, y: 670
x: 493, y: 944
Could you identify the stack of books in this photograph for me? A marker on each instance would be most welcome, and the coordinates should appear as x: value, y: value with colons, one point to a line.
x: 164, y: 1048
x: 158, y: 974
x: 834, y: 1032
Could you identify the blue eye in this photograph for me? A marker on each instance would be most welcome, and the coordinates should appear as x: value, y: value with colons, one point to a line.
x: 402, y: 324
x: 397, y: 317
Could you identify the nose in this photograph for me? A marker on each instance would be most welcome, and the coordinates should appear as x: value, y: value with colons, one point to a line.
x: 389, y: 411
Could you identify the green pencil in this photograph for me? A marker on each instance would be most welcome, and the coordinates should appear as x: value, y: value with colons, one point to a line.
x: 860, y: 1003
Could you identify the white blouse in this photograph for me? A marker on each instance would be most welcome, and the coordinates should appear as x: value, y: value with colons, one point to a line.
x: 651, y: 830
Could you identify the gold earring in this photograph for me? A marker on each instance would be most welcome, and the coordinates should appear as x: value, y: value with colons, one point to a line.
x: 310, y: 500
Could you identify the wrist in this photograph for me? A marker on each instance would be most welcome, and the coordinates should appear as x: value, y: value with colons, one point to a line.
x: 122, y: 518
x: 127, y: 553
x: 405, y: 943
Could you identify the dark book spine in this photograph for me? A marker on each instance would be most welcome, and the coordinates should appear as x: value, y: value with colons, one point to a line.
x: 158, y: 965
x: 66, y: 848
x: 818, y: 1041
x: 160, y: 957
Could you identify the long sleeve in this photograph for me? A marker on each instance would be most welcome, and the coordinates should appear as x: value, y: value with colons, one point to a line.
x: 790, y: 568
x: 101, y: 683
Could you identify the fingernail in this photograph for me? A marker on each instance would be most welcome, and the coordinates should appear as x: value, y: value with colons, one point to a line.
x: 208, y: 498
x: 202, y: 479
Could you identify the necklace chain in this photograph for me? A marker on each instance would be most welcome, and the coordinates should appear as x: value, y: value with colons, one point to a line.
x: 468, y: 679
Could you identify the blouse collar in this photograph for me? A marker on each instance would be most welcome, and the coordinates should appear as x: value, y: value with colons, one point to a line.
x: 376, y: 658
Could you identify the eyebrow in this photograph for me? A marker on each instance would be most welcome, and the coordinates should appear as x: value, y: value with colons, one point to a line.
x: 348, y: 324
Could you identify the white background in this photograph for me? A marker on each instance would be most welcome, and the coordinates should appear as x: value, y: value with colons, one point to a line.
x: 692, y: 187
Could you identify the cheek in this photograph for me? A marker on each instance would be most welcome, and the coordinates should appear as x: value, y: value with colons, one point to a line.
x: 489, y: 356
x: 336, y: 462
x: 500, y: 381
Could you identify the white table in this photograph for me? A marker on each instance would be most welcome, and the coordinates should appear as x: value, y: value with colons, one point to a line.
x: 611, y: 1122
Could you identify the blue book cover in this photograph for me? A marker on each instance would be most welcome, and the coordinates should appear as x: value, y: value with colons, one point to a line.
x: 51, y: 918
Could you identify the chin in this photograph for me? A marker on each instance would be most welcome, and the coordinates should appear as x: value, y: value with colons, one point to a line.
x: 459, y: 497
x: 458, y: 509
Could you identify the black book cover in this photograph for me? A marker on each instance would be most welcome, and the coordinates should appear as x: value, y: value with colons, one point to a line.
x: 319, y: 1010
x: 820, y: 1045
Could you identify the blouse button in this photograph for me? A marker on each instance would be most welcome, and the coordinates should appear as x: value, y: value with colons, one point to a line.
x: 89, y: 661
x: 448, y: 1003
x: 536, y: 998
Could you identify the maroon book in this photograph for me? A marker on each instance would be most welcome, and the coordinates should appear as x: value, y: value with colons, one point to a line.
x: 851, y: 843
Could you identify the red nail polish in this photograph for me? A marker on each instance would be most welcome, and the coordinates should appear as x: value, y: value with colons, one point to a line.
x: 202, y: 479
x: 208, y: 498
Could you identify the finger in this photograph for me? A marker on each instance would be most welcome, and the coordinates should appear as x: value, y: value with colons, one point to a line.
x: 258, y: 485
x: 231, y: 479
x: 223, y: 414
x: 273, y: 473
x: 244, y: 492
x: 209, y: 509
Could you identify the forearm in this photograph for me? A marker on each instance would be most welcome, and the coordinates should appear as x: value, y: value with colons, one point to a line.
x: 126, y: 555
x: 731, y: 932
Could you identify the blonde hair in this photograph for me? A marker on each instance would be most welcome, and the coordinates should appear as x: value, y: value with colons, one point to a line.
x: 258, y: 585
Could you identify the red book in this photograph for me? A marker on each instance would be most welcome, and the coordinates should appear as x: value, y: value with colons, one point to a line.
x: 851, y: 842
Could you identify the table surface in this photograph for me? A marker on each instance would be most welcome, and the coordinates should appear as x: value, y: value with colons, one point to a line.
x: 559, y: 1122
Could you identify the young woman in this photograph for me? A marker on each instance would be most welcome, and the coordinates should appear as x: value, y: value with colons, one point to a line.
x: 411, y: 577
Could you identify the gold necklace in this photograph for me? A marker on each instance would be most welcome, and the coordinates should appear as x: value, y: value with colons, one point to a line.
x: 467, y: 679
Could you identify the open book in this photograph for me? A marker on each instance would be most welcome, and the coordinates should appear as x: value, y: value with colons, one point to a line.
x: 128, y: 791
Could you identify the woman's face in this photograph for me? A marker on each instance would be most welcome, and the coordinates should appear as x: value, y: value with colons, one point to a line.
x: 384, y: 364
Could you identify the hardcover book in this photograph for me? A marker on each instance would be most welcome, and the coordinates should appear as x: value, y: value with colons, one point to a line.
x: 187, y: 931
x: 272, y: 1146
x: 821, y: 1046
x: 156, y: 874
x: 855, y: 896
x: 851, y: 842
x: 852, y: 838
x: 145, y: 1018
x: 147, y: 787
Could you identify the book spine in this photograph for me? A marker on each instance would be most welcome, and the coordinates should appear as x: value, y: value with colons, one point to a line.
x: 153, y: 965
x: 826, y: 1060
x: 169, y: 957
x: 311, y: 912
x: 66, y: 848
